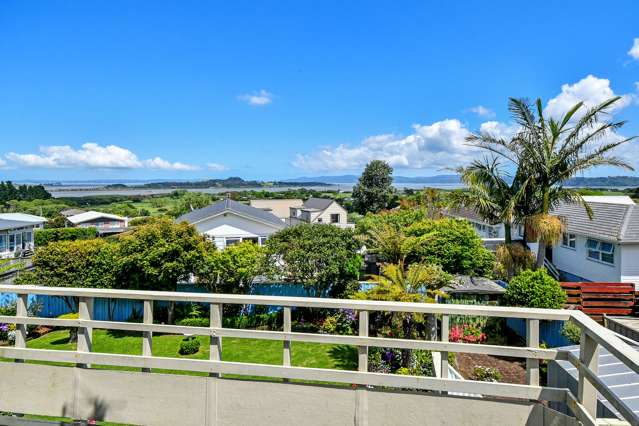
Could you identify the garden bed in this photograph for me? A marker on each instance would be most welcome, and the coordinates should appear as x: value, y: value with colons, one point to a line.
x: 512, y: 370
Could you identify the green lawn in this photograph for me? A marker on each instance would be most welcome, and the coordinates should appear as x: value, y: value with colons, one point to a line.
x: 233, y: 349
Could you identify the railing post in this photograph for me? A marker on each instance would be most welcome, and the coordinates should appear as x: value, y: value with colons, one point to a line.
x: 444, y: 331
x: 532, y: 341
x: 215, y: 347
x: 147, y: 336
x: 589, y: 358
x: 85, y: 334
x: 21, y: 329
x: 286, y: 357
x: 362, y: 351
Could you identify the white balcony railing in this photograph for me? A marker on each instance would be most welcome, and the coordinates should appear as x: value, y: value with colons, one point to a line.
x: 583, y: 405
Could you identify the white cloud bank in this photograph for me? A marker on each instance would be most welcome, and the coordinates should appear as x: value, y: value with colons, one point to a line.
x: 634, y: 50
x: 437, y: 145
x: 442, y: 144
x: 260, y: 98
x: 93, y: 156
x: 216, y: 167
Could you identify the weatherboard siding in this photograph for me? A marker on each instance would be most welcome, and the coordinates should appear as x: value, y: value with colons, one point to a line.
x: 334, y: 208
x: 576, y: 262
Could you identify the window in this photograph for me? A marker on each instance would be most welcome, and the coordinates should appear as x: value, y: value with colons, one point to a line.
x: 3, y: 243
x: 600, y: 251
x: 262, y: 240
x: 12, y: 242
x: 251, y: 239
x: 569, y: 240
x: 334, y: 217
x: 231, y: 241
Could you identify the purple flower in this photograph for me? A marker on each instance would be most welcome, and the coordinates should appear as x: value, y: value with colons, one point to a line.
x: 388, y: 356
x: 349, y: 314
x: 4, y: 328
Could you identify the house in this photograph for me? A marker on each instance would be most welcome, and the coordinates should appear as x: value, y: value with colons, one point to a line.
x: 319, y: 210
x: 105, y: 223
x: 16, y: 233
x: 604, y: 248
x: 485, y: 229
x: 71, y: 212
x: 229, y: 222
x: 280, y: 208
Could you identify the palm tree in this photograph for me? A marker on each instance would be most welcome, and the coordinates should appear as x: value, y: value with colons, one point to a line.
x: 491, y: 193
x: 550, y: 151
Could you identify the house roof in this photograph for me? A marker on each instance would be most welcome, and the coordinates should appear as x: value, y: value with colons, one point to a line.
x: 92, y: 215
x: 227, y: 205
x: 317, y: 203
x: 280, y: 208
x: 71, y: 212
x: 6, y: 224
x: 469, y: 214
x: 23, y: 217
x: 614, y: 218
x: 474, y: 285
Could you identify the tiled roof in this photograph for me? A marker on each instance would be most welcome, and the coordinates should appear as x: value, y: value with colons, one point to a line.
x: 317, y: 203
x: 610, y: 221
x: 92, y: 215
x: 469, y: 214
x: 233, y: 206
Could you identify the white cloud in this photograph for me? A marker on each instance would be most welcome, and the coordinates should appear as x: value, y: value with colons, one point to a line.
x: 260, y: 98
x: 634, y: 50
x: 482, y: 111
x: 438, y: 145
x: 216, y: 167
x: 91, y: 155
x: 498, y: 129
x: 591, y: 90
x: 161, y: 164
x: 2, y: 163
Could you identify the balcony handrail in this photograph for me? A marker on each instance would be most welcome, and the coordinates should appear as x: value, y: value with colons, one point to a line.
x: 583, y: 405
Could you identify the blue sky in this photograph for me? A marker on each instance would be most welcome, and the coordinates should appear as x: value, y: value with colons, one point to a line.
x: 120, y: 89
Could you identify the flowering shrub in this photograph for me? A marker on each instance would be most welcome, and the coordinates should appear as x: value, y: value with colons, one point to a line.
x: 467, y: 333
x: 7, y: 333
x: 486, y: 374
x: 341, y: 322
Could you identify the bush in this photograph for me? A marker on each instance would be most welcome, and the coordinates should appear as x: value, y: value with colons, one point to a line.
x: 195, y: 322
x: 571, y: 331
x: 341, y: 322
x: 45, y: 236
x: 486, y: 374
x: 535, y: 289
x: 189, y: 346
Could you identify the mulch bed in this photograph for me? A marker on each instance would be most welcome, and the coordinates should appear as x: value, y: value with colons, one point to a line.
x: 513, y: 370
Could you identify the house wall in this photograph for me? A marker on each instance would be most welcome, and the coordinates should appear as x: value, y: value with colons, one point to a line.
x: 576, y: 262
x: 22, y: 237
x: 334, y: 208
x: 103, y: 223
x: 630, y: 263
x: 257, y: 229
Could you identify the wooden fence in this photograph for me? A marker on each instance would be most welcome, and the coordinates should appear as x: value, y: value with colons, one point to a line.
x: 601, y: 298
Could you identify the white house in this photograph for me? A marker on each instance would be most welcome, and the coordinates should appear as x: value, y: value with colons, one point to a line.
x: 484, y: 228
x: 604, y: 248
x: 228, y: 222
x: 279, y: 207
x: 16, y: 232
x: 320, y: 210
x: 105, y: 223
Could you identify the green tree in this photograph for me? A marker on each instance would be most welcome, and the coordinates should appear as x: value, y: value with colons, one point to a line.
x: 535, y: 289
x: 81, y: 263
x: 231, y: 270
x: 188, y: 201
x: 374, y: 191
x: 322, y: 257
x: 453, y: 244
x: 551, y: 150
x: 156, y: 256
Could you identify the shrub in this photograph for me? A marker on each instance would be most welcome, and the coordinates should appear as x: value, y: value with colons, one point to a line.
x: 535, y: 289
x: 467, y: 333
x: 571, y: 331
x: 189, y: 346
x: 43, y: 237
x: 486, y: 374
x: 341, y: 322
x: 195, y: 322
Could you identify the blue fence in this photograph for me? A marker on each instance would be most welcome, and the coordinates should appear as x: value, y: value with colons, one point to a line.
x: 549, y: 331
x: 123, y: 309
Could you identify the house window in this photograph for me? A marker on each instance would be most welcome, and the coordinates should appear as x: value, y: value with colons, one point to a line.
x: 569, y: 240
x: 334, y: 217
x: 251, y: 239
x: 12, y: 242
x: 3, y: 243
x: 262, y: 240
x: 231, y: 241
x: 601, y: 251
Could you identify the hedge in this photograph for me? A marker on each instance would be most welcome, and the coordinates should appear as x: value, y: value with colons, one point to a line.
x: 45, y: 236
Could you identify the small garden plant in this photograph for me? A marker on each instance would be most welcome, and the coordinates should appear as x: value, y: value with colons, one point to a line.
x: 535, y: 289
x: 486, y: 374
x: 189, y: 345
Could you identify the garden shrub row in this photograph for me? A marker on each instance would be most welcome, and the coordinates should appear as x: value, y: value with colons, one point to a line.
x: 45, y: 236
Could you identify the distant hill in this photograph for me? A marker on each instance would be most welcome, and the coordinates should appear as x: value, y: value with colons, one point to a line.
x: 397, y: 179
x: 230, y: 182
x: 604, y: 182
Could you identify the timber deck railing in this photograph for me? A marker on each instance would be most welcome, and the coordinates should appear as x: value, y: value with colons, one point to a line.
x: 583, y: 405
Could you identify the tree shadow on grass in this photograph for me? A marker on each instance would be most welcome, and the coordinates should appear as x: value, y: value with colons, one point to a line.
x: 345, y: 357
x: 123, y: 333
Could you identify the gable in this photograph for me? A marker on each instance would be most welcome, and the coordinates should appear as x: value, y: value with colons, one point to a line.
x: 230, y: 221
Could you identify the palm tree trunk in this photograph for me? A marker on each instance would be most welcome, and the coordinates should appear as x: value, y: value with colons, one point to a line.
x: 508, y: 239
x: 545, y: 207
